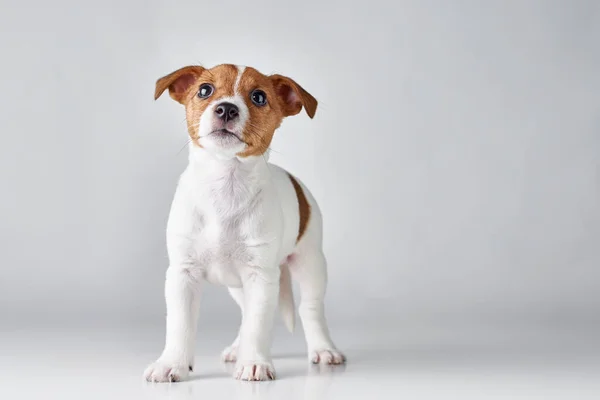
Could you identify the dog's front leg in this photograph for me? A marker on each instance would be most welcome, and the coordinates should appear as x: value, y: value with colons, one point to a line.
x: 261, y: 288
x: 182, y: 301
x: 182, y: 296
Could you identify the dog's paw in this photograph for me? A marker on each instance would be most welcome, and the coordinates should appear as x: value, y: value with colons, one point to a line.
x: 327, y: 356
x: 253, y: 371
x: 162, y: 371
x: 229, y: 354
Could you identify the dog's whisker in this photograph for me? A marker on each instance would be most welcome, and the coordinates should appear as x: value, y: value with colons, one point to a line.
x: 257, y: 136
x: 184, y: 146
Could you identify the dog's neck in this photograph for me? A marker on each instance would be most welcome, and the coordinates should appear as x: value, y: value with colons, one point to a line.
x: 210, y: 165
x: 235, y: 181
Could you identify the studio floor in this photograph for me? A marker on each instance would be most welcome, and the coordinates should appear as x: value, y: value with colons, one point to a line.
x: 409, y: 363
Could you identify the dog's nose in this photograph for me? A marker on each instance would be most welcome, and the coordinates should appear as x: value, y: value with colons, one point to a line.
x: 227, y: 111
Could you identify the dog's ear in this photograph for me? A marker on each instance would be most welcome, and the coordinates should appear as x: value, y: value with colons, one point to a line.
x: 293, y: 97
x: 178, y: 83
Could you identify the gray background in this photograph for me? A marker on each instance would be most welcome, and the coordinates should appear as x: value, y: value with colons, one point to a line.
x: 455, y: 153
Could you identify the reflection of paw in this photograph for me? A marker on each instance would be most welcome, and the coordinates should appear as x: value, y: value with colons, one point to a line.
x: 229, y: 354
x: 327, y: 356
x: 254, y: 371
x: 161, y: 371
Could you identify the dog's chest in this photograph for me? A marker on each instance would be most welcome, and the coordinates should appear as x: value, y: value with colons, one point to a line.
x: 224, y: 237
x: 221, y: 250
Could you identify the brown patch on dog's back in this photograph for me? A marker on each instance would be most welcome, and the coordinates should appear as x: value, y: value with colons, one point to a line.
x: 303, y: 207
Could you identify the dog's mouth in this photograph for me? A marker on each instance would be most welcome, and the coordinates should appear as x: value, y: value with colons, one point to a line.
x: 225, y: 133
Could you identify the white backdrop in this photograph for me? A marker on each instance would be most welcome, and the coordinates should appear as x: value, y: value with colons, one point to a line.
x: 455, y: 152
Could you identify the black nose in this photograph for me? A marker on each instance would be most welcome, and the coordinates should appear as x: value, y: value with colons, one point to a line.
x: 227, y: 111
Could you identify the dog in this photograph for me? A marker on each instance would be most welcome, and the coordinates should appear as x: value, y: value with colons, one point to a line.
x: 239, y: 221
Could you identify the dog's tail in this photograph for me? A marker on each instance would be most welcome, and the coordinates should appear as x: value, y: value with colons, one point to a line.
x: 286, y: 299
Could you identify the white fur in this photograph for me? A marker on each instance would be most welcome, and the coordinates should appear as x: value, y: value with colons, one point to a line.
x: 236, y: 86
x: 234, y: 222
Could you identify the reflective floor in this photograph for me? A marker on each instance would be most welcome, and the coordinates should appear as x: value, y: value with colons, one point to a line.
x: 427, y: 363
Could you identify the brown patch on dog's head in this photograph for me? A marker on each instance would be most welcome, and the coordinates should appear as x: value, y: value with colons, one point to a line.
x: 178, y: 82
x: 293, y: 96
x: 263, y: 102
x: 284, y: 98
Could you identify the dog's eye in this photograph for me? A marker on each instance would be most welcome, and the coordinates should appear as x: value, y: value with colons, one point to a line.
x: 206, y: 89
x: 259, y: 97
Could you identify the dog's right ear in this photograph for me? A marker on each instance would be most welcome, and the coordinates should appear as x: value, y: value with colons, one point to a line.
x: 178, y: 82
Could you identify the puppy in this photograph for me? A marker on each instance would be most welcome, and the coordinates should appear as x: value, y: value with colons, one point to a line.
x: 241, y: 222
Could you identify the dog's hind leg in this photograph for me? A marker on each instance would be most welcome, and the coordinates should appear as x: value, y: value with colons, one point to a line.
x: 229, y: 354
x: 309, y: 268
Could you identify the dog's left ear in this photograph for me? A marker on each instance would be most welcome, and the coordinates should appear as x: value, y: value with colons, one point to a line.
x: 178, y: 83
x: 293, y: 97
